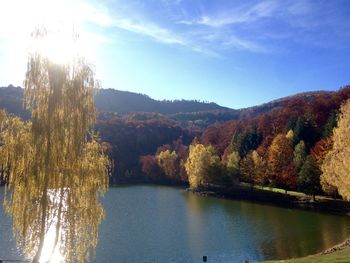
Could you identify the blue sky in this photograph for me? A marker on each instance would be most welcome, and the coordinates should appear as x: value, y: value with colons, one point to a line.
x: 235, y: 53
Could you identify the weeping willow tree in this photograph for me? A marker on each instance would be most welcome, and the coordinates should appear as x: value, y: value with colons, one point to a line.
x: 54, y: 165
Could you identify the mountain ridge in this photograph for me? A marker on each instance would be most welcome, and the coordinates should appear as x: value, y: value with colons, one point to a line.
x: 126, y: 102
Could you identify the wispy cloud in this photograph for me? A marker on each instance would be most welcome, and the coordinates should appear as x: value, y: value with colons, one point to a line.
x: 249, y: 27
x: 150, y: 30
x: 205, y: 41
x: 242, y: 44
x: 239, y: 15
x: 163, y: 35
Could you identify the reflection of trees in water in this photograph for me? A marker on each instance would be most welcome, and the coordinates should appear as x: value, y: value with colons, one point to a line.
x: 265, y: 231
x: 292, y: 233
x: 54, y: 165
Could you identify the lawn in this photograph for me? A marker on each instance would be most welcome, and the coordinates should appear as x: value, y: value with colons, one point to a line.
x: 340, y: 256
x: 292, y: 193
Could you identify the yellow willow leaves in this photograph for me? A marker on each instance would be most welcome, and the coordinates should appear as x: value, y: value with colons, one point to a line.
x: 336, y: 165
x: 54, y: 165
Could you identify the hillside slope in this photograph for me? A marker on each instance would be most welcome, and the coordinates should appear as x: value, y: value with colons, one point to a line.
x: 187, y: 113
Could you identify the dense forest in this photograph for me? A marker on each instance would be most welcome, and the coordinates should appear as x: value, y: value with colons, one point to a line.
x: 281, y: 143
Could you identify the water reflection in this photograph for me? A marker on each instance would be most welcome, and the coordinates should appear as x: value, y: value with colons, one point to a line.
x: 71, y: 222
x: 259, y: 232
x: 51, y: 251
x: 52, y: 241
x: 154, y: 224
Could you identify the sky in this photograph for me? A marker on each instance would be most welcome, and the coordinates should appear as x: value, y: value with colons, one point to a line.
x: 235, y: 53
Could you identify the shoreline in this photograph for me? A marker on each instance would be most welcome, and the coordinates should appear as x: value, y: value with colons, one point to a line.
x: 336, y: 253
x: 335, y: 248
x: 258, y: 195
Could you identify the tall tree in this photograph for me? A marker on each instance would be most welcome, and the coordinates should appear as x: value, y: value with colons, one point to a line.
x: 56, y: 166
x: 321, y: 148
x: 306, y: 129
x: 336, y: 165
x: 247, y: 141
x: 299, y: 155
x: 232, y: 166
x: 150, y: 167
x: 330, y: 125
x: 247, y: 169
x: 309, y: 177
x: 259, y: 169
x: 168, y: 161
x: 202, y: 165
x: 280, y: 162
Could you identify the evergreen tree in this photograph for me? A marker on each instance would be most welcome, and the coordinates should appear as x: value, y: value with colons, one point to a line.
x: 299, y: 155
x: 306, y: 130
x: 330, y: 125
x: 245, y: 142
x: 309, y: 177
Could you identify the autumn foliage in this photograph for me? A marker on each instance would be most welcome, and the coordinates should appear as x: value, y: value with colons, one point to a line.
x: 282, y: 144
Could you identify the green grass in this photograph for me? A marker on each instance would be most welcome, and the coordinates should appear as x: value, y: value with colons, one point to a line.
x: 340, y: 256
x: 283, y: 191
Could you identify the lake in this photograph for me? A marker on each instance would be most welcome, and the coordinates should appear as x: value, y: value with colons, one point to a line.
x: 167, y: 224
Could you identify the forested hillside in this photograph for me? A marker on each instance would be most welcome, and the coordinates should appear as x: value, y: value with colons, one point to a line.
x: 279, y: 144
x: 11, y: 99
x: 188, y: 113
x: 266, y: 144
x: 124, y: 102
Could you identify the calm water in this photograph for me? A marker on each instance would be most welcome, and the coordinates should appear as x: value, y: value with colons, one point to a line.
x: 164, y: 224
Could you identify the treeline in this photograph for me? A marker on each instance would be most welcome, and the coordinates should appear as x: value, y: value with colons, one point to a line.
x: 124, y: 102
x: 274, y: 144
x: 284, y: 147
x: 132, y: 136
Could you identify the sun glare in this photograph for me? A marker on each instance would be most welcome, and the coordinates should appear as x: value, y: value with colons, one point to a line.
x: 62, y: 19
x: 62, y: 43
x: 58, y: 46
x: 49, y: 242
x: 47, y: 255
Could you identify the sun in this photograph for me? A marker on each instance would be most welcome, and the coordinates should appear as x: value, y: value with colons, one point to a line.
x: 62, y: 19
x: 58, y: 45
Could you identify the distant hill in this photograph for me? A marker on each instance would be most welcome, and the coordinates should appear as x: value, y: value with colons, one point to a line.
x: 187, y: 113
x: 124, y: 102
x: 110, y: 100
x: 11, y: 99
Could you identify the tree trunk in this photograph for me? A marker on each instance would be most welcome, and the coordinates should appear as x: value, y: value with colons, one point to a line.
x: 46, y: 185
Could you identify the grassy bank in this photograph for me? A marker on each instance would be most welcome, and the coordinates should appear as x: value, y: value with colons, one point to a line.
x: 279, y: 197
x: 339, y: 256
